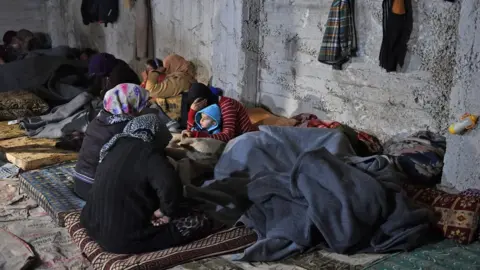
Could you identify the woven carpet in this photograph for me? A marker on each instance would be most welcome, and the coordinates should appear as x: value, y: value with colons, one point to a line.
x: 223, y: 242
x: 444, y: 255
x: 52, y: 188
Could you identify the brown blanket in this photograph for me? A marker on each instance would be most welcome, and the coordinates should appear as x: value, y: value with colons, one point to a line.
x: 194, y: 158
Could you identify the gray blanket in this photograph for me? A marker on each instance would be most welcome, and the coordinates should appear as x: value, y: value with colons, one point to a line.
x: 49, y: 77
x: 307, y: 189
x: 62, y: 120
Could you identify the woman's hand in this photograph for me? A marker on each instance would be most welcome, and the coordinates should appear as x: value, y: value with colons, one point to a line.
x: 186, y: 134
x: 144, y: 75
x: 158, y: 218
x: 199, y: 104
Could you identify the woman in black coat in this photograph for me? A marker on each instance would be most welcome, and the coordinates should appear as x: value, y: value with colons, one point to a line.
x: 134, y: 179
x: 120, y: 105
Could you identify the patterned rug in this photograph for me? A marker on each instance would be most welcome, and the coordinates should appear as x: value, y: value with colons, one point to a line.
x: 444, y: 255
x: 52, y: 189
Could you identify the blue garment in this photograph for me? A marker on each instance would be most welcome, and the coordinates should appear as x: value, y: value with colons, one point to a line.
x: 216, y: 91
x: 214, y: 112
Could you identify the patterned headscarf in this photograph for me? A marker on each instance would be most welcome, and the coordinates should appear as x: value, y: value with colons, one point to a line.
x: 102, y: 64
x: 147, y: 128
x: 125, y: 98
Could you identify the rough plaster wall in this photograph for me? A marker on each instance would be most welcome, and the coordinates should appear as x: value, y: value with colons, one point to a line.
x: 292, y: 81
x: 18, y: 14
x: 117, y: 38
x: 207, y: 32
x: 462, y: 161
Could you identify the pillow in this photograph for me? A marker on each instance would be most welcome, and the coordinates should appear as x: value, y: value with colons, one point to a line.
x: 20, y: 103
x: 419, y: 156
x: 459, y: 214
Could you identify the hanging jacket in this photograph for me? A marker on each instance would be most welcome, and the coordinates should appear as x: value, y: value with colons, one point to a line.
x: 339, y: 42
x: 101, y: 11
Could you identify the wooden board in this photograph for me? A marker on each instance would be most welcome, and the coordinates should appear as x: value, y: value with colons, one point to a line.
x: 30, y: 154
x: 10, y: 131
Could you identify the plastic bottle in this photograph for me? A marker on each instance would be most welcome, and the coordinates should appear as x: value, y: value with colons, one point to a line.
x: 467, y: 122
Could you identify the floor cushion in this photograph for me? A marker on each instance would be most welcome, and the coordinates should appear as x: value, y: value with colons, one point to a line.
x: 20, y: 103
x: 10, y: 131
x: 223, y: 242
x: 459, y: 214
x: 30, y: 154
x: 52, y: 188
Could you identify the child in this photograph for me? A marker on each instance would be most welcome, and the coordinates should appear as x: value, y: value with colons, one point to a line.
x: 153, y: 64
x: 208, y: 120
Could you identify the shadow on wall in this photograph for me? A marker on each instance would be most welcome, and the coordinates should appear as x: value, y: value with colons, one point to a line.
x: 203, y: 70
x: 286, y: 78
x: 291, y: 107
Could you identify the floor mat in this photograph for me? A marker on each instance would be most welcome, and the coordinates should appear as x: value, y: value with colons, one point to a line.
x: 52, y: 188
x: 31, y: 154
x: 10, y: 131
x: 223, y: 242
x: 442, y: 255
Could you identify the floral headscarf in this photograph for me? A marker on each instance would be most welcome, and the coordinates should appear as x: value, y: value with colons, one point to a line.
x: 125, y: 98
x: 147, y: 128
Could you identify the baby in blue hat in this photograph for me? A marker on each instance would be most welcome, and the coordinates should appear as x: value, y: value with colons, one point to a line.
x: 208, y: 120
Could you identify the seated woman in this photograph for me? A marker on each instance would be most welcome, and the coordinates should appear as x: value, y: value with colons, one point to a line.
x: 120, y: 105
x: 180, y: 75
x: 234, y: 117
x: 135, y: 182
x: 153, y: 65
x: 108, y: 71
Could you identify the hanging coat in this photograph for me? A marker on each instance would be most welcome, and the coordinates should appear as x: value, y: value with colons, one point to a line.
x: 101, y: 11
x: 339, y: 42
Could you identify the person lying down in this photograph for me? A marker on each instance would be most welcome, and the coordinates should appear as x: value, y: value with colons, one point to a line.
x: 136, y: 204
